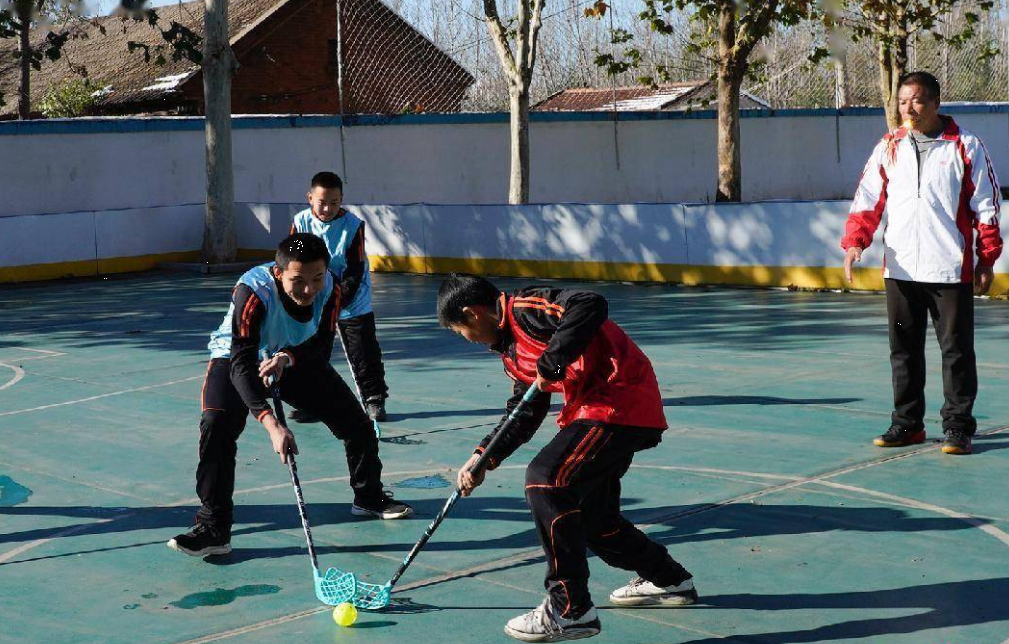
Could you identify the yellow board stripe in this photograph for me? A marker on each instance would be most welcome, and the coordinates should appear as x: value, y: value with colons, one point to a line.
x: 806, y: 277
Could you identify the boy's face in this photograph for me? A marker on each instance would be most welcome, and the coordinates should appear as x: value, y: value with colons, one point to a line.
x: 302, y: 282
x: 325, y: 202
x: 480, y: 325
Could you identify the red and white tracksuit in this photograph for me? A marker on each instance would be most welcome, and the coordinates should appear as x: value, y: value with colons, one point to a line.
x: 932, y: 211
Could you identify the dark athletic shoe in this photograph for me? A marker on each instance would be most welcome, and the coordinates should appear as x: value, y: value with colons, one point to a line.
x: 299, y: 416
x: 382, y: 507
x: 899, y: 437
x: 956, y: 442
x: 644, y: 593
x: 201, y: 541
x: 376, y: 409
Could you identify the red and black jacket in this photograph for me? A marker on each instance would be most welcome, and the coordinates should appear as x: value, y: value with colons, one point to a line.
x: 566, y: 337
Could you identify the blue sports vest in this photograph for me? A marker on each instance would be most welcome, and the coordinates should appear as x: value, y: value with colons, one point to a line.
x: 279, y: 330
x: 338, y: 235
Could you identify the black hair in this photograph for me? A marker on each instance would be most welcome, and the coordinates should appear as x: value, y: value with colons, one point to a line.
x: 327, y: 180
x: 922, y: 79
x: 461, y: 290
x: 301, y: 247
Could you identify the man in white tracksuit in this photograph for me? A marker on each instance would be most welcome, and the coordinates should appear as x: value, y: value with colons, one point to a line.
x: 937, y: 186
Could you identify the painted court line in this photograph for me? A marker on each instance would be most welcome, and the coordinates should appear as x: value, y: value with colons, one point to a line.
x: 658, y: 518
x: 46, y: 354
x: 19, y: 373
x: 11, y: 554
x: 99, y: 396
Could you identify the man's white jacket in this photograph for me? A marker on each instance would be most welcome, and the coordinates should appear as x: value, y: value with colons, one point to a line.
x: 932, y: 211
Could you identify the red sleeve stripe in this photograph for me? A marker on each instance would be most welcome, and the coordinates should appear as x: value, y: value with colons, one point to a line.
x: 263, y: 414
x: 862, y: 225
x: 360, y: 248
x: 542, y: 302
x: 247, y: 312
x: 539, y: 307
x: 335, y: 316
x: 996, y: 196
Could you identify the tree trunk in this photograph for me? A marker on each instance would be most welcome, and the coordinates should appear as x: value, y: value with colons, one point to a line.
x: 730, y: 78
x: 219, y: 238
x: 841, y: 70
x: 892, y: 61
x: 518, y: 189
x: 24, y: 91
x: 729, y: 165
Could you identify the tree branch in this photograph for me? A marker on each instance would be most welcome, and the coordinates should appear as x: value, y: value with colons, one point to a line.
x: 500, y: 38
x: 534, y: 30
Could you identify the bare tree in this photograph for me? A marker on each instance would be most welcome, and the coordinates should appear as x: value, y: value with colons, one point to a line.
x: 220, y: 243
x: 516, y: 51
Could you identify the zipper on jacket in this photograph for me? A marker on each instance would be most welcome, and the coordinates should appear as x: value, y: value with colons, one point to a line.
x: 917, y: 204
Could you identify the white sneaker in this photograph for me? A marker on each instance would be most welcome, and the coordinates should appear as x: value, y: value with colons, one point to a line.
x: 644, y: 593
x: 543, y: 624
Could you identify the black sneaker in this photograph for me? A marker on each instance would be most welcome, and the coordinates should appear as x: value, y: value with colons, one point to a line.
x: 201, y: 541
x: 956, y: 442
x: 376, y: 409
x: 900, y: 437
x: 299, y: 416
x: 382, y: 507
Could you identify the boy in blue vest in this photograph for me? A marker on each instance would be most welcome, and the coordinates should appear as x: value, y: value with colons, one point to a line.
x: 343, y: 233
x: 287, y: 310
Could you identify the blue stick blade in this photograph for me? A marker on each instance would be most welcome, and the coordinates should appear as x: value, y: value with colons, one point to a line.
x: 335, y: 587
x: 372, y: 596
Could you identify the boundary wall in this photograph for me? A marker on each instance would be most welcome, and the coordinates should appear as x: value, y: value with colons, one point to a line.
x: 96, y: 196
x: 773, y: 243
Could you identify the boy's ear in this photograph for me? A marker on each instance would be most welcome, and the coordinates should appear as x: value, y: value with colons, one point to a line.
x: 277, y: 272
x: 470, y: 313
x: 308, y: 196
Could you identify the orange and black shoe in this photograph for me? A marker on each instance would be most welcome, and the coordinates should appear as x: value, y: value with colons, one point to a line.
x: 900, y: 437
x: 956, y: 442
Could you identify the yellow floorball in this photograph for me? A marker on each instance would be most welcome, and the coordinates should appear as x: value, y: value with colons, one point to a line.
x: 345, y: 614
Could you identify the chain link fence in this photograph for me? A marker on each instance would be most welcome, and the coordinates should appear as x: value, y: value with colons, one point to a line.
x: 570, y: 42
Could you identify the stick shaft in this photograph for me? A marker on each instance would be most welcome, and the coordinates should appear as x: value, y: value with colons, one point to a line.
x: 293, y: 469
x: 479, y: 465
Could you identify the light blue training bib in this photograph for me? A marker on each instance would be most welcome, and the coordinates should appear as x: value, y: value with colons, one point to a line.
x: 279, y: 330
x: 338, y: 235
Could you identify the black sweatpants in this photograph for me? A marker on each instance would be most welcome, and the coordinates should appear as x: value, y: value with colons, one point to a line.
x: 951, y: 307
x: 314, y: 388
x: 573, y: 491
x: 360, y: 344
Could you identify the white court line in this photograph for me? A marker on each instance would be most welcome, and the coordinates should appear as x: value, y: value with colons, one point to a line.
x: 48, y: 353
x: 90, y: 398
x: 19, y: 373
x: 790, y: 482
x: 7, y: 556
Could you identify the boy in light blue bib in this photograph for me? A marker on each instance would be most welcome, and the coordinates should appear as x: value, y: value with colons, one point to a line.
x: 286, y: 310
x: 343, y: 233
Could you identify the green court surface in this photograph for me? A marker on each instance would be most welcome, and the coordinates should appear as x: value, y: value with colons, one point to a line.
x: 766, y: 486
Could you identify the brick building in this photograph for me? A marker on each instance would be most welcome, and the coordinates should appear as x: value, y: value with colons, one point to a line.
x: 288, y: 56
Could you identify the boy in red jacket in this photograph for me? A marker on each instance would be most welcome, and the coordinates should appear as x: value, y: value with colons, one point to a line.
x: 561, y: 341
